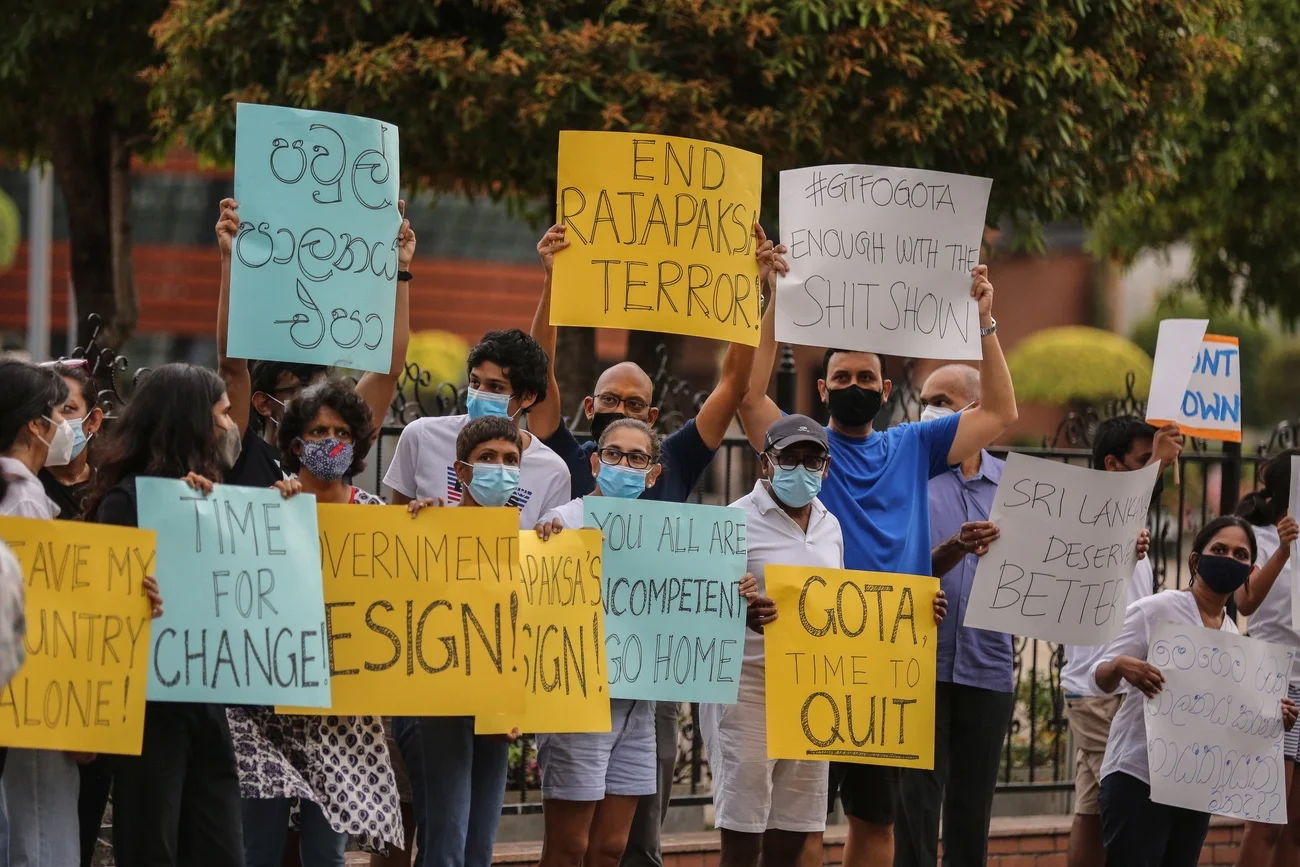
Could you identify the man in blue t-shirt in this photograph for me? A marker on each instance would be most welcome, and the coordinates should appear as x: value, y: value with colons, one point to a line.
x: 626, y: 391
x: 878, y: 488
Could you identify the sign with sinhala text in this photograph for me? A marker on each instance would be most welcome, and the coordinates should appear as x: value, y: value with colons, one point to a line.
x: 83, y: 685
x: 313, y: 272
x: 565, y: 681
x: 880, y: 260
x: 1214, y: 733
x: 662, y: 235
x: 850, y: 666
x: 423, y: 614
x: 1060, y: 570
x: 239, y: 573
x: 674, y: 616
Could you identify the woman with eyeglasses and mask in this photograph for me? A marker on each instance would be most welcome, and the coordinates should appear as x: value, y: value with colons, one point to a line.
x: 178, y: 801
x: 591, y: 783
x: 1135, y: 830
x: 67, y: 484
x: 337, y: 770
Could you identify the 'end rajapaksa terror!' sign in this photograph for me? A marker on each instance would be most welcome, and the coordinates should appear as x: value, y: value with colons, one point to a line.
x: 662, y: 235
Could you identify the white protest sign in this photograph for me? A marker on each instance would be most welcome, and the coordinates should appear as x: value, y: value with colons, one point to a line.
x: 1060, y: 569
x: 1211, y: 400
x: 880, y: 260
x: 1214, y: 733
x: 1177, y: 347
x: 1290, y: 569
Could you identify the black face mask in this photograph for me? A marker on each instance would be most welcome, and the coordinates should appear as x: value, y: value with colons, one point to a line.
x: 602, y: 420
x: 854, y: 406
x: 1222, y: 574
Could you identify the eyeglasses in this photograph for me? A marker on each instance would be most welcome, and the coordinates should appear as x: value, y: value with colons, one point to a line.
x: 611, y: 402
x: 813, y: 463
x: 635, y: 460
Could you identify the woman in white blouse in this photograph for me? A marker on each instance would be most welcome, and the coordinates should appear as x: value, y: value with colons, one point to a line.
x: 1136, y: 831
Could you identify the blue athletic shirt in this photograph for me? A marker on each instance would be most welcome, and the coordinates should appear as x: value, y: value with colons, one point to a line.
x: 879, y: 489
x: 683, y: 455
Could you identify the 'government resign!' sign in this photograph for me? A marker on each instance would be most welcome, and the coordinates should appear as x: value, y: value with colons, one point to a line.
x: 662, y: 235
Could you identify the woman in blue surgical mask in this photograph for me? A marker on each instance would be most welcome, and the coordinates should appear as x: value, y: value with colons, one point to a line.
x: 67, y: 484
x: 591, y: 782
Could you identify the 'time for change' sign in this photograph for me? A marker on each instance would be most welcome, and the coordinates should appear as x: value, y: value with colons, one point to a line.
x: 1060, y: 570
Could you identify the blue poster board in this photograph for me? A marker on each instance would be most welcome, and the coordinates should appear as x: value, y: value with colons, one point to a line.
x: 243, y: 602
x: 314, y: 267
x: 674, y: 617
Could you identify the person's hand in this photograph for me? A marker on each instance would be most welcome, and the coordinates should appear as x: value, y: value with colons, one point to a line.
x: 1167, y: 445
x: 154, y: 595
x: 552, y: 242
x: 940, y: 607
x: 82, y: 758
x: 749, y: 587
x: 975, y: 537
x: 288, y: 487
x: 202, y: 484
x: 227, y: 226
x: 982, y: 291
x: 771, y: 258
x: 1143, y: 544
x: 405, y: 240
x: 510, y: 738
x: 1142, y: 674
x: 415, y: 506
x: 760, y: 613
x: 1289, y: 712
x: 547, y: 529
x: 1288, y: 531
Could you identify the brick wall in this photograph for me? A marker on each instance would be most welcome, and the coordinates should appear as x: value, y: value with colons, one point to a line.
x: 1023, y: 841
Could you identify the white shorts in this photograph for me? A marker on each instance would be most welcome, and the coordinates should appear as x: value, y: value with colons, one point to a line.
x: 752, y: 793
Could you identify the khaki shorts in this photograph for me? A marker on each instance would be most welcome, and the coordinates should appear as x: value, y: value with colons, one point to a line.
x: 1090, y: 727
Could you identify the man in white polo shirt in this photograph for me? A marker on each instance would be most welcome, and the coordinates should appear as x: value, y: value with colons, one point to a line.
x: 768, y: 807
x: 458, y: 780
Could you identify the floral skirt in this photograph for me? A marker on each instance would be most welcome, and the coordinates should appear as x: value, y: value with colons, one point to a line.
x: 338, y: 762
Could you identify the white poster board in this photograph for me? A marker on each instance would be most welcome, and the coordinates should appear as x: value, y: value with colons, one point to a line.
x: 1292, y: 568
x: 1060, y: 569
x: 1177, y: 346
x: 1214, y: 733
x: 880, y: 260
x: 1209, y: 400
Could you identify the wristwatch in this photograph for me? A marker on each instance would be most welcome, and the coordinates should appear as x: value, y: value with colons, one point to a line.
x: 992, y: 329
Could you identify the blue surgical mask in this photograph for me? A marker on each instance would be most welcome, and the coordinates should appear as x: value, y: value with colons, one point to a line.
x: 79, y: 437
x: 483, y: 403
x: 624, y: 483
x: 796, y: 488
x: 493, y: 484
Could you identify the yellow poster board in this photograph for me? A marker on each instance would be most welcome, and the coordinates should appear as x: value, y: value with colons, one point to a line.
x: 83, y: 686
x: 851, y: 666
x: 422, y: 614
x: 662, y: 235
x: 566, y: 683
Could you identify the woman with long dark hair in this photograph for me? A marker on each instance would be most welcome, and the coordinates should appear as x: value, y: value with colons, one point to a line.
x: 178, y: 801
x: 1136, y: 831
x: 1270, y: 619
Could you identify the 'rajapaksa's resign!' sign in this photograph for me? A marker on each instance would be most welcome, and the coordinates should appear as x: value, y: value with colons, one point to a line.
x: 662, y: 235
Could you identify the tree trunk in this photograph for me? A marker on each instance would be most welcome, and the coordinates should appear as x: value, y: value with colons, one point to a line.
x: 92, y: 166
x: 575, y: 370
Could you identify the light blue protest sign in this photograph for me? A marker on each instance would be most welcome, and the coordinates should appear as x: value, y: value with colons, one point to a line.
x: 674, y: 617
x: 314, y: 267
x: 243, y: 603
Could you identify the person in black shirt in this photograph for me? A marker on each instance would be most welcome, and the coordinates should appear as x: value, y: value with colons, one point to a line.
x: 178, y: 801
x: 259, y: 391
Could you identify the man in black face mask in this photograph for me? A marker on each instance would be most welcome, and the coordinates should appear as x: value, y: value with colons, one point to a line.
x: 625, y: 391
x: 878, y: 489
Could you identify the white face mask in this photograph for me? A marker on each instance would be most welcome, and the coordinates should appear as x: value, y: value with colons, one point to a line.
x: 934, y: 413
x: 60, y: 444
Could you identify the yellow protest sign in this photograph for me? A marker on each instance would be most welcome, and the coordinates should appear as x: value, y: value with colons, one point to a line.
x: 661, y: 234
x: 421, y: 614
x: 566, y: 684
x: 851, y: 666
x: 83, y: 685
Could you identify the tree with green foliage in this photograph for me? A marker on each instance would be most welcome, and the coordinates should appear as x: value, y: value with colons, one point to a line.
x: 1279, y: 386
x: 71, y: 93
x: 10, y: 232
x: 1236, y: 196
x: 1058, y: 103
x: 1253, y: 339
x: 1049, y: 367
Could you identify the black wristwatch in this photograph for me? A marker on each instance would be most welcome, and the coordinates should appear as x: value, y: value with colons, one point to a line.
x: 403, y: 276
